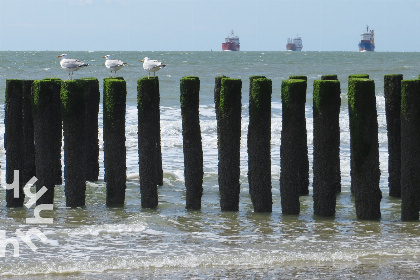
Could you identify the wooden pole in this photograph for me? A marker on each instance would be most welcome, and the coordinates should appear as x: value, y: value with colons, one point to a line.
x: 410, y: 150
x: 259, y: 149
x: 147, y: 101
x: 326, y: 164
x: 229, y: 138
x: 46, y: 109
x: 364, y: 148
x: 192, y: 146
x: 293, y: 95
x: 115, y: 94
x: 73, y: 114
x: 392, y: 93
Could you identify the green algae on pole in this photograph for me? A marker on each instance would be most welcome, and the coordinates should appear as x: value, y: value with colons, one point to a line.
x: 73, y: 114
x: 392, y: 93
x: 326, y: 154
x: 364, y: 148
x: 46, y: 109
x: 229, y: 138
x: 114, y: 106
x: 217, y: 88
x: 18, y: 138
x: 303, y: 167
x: 410, y: 150
x: 148, y: 132
x: 303, y: 173
x: 293, y: 96
x: 298, y: 77
x: 354, y: 76
x: 259, y: 149
x: 192, y: 145
x: 92, y: 99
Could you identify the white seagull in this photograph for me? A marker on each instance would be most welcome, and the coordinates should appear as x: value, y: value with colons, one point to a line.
x: 71, y: 64
x: 113, y: 64
x: 151, y: 65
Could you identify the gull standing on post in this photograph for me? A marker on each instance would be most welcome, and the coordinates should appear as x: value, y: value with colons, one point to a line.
x: 113, y: 64
x: 151, y: 65
x: 71, y: 64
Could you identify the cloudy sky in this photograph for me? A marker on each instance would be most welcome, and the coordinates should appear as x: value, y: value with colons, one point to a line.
x: 202, y: 25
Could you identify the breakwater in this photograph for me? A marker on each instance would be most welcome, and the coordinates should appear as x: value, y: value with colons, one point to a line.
x: 294, y: 163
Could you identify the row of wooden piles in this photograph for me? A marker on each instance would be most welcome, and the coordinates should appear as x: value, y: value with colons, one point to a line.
x: 36, y: 112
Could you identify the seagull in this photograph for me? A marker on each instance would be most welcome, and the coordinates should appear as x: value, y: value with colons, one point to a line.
x: 71, y: 64
x: 113, y: 64
x: 151, y: 65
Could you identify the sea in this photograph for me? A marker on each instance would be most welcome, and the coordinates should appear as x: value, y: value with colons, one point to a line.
x: 170, y: 242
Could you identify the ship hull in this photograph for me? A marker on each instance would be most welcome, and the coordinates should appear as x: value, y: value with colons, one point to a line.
x: 293, y: 47
x: 369, y: 47
x: 229, y: 46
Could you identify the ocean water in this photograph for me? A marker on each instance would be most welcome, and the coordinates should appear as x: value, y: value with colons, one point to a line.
x: 99, y: 242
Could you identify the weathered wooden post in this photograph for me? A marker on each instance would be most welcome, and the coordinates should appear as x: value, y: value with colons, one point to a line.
x: 92, y: 99
x: 229, y: 138
x: 392, y: 92
x: 326, y: 164
x: 18, y: 138
x: 73, y: 114
x: 293, y: 95
x: 329, y: 77
x: 259, y: 137
x: 147, y: 101
x: 46, y: 109
x: 410, y: 150
x: 193, y: 151
x: 364, y: 148
x: 353, y: 76
x: 302, y: 141
x: 114, y: 104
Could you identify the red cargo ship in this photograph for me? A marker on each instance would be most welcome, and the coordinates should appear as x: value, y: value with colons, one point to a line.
x: 231, y: 43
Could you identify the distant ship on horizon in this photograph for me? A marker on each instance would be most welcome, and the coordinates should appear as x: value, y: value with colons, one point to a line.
x: 294, y: 44
x: 368, y: 41
x: 231, y: 43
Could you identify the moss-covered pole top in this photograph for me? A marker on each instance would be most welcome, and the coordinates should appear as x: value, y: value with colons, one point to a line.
x: 230, y: 91
x: 261, y: 93
x: 290, y: 89
x: 325, y: 91
x: 329, y: 77
x: 72, y: 97
x: 360, y: 86
x: 359, y: 76
x: 190, y: 86
x: 298, y: 77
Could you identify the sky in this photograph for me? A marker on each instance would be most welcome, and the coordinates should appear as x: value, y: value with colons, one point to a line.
x: 202, y: 25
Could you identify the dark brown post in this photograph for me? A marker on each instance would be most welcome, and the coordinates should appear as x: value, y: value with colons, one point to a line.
x: 410, y: 150
x: 392, y: 92
x: 229, y: 138
x: 326, y: 164
x: 293, y: 97
x: 115, y: 95
x: 364, y: 148
x: 192, y: 146
x: 46, y: 109
x: 259, y: 137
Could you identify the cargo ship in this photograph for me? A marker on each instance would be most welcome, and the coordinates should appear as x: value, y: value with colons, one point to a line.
x: 368, y: 42
x: 294, y: 44
x: 231, y: 43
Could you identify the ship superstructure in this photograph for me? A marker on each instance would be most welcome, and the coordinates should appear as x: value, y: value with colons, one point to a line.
x: 294, y: 44
x: 368, y: 42
x: 231, y: 43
